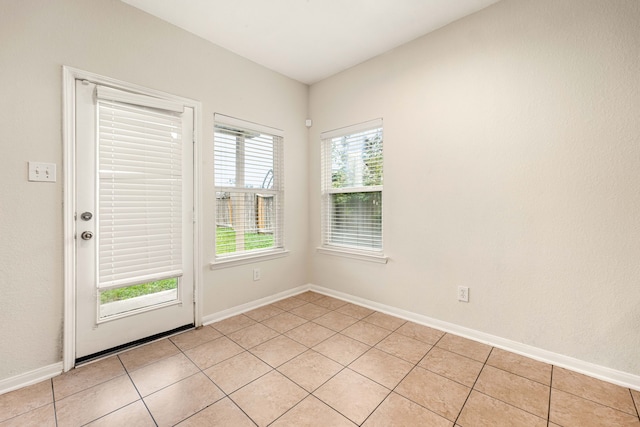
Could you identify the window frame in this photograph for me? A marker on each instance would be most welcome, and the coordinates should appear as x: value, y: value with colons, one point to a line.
x: 222, y: 122
x: 327, y: 191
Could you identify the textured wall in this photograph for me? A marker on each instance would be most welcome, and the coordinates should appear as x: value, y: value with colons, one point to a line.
x: 38, y: 37
x: 512, y: 166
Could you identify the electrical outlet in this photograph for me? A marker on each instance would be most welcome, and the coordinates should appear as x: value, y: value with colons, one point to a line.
x: 42, y: 172
x: 463, y: 293
x: 256, y: 274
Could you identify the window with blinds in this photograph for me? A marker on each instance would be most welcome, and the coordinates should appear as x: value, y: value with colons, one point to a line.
x: 352, y: 162
x: 248, y: 171
x: 139, y: 188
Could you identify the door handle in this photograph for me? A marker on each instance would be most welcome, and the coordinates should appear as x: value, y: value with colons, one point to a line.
x: 86, y: 235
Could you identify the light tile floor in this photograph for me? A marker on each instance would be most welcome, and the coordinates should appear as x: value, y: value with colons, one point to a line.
x: 313, y: 360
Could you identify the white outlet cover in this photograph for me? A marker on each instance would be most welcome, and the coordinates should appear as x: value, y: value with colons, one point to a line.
x: 42, y: 172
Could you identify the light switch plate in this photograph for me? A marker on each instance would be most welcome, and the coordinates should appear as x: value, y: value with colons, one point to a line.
x: 42, y: 172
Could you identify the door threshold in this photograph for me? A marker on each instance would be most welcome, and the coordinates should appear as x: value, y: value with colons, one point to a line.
x: 119, y: 349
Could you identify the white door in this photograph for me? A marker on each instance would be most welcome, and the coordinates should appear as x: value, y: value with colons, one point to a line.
x: 134, y: 217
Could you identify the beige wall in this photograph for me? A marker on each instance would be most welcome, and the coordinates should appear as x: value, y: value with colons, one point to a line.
x: 512, y: 166
x: 107, y: 37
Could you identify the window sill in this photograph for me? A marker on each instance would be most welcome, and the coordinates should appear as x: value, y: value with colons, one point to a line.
x: 381, y: 259
x: 247, y: 259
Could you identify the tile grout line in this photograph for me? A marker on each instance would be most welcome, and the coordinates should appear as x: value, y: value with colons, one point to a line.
x: 344, y: 367
x: 472, y: 388
x: 137, y: 391
x: 596, y: 401
x: 55, y: 409
x: 550, y: 390
x: 393, y: 390
x: 635, y: 404
x: 226, y: 396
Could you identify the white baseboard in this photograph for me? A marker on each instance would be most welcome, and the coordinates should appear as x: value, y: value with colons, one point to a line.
x: 620, y: 378
x: 31, y: 377
x: 239, y: 309
x: 623, y: 379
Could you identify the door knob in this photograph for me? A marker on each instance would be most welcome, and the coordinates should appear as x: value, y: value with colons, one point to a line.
x: 86, y: 235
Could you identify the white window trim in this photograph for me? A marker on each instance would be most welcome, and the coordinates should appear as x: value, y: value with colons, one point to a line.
x: 353, y: 254
x: 227, y: 261
x: 250, y: 258
x: 376, y: 256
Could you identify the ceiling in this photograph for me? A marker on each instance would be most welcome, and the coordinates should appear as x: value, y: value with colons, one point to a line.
x: 309, y: 40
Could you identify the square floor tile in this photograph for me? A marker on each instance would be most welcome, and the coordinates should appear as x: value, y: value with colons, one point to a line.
x: 404, y: 347
x: 451, y: 365
x: 212, y: 352
x: 342, y: 349
x: 179, y: 401
x: 465, y: 347
x: 570, y: 410
x: 381, y: 367
x: 385, y: 321
x: 232, y: 324
x: 310, y: 311
x: 289, y: 303
x: 25, y: 399
x: 335, y: 321
x: 264, y: 312
x: 520, y: 365
x: 163, y: 373
x: 483, y: 410
x: 278, y: 350
x: 312, y: 412
x: 253, y: 335
x: 309, y: 296
x: 284, y: 322
x: 420, y: 332
x: 367, y: 333
x: 148, y: 353
x: 43, y: 416
x: 95, y: 402
x: 593, y: 389
x: 515, y: 390
x: 436, y: 393
x: 222, y: 413
x: 329, y: 302
x: 135, y: 414
x: 351, y: 394
x: 354, y: 311
x: 83, y: 377
x: 268, y: 397
x: 186, y: 340
x: 310, y: 370
x: 309, y: 334
x: 399, y: 411
x: 237, y: 371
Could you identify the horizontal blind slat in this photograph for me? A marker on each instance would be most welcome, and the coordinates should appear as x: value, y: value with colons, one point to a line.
x: 139, y: 191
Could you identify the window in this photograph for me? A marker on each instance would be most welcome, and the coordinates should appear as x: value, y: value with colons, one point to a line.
x: 352, y: 160
x: 249, y: 189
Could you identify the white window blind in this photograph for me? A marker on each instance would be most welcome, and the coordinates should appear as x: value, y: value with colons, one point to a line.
x: 248, y: 173
x: 352, y: 175
x: 139, y: 189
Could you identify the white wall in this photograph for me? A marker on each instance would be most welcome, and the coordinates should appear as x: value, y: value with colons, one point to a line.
x: 512, y: 166
x: 107, y: 37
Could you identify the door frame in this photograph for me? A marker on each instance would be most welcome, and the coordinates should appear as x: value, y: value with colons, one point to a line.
x: 69, y: 76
